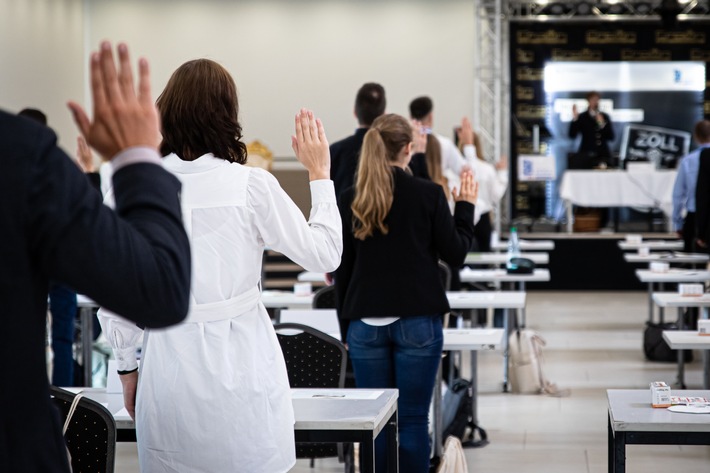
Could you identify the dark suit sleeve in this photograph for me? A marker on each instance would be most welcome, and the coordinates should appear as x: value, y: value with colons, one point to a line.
x: 573, y: 128
x: 702, y: 197
x: 95, y: 180
x: 453, y: 235
x: 136, y: 261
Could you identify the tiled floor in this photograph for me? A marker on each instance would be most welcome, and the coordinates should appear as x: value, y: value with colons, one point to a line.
x: 593, y: 343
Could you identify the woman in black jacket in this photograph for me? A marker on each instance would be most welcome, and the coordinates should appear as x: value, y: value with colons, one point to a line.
x: 395, y: 228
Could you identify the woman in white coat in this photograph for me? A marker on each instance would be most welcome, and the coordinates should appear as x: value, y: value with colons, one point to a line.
x: 213, y: 394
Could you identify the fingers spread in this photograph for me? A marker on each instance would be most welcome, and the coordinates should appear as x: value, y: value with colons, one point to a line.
x: 125, y: 75
x: 110, y: 77
x: 144, y: 96
x: 80, y: 118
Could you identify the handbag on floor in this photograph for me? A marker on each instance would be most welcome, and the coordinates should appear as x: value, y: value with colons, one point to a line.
x: 525, y: 365
x: 453, y: 459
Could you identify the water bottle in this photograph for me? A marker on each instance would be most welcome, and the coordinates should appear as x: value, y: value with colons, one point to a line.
x: 513, y: 249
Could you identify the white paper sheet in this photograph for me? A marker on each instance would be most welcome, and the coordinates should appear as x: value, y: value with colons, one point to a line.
x: 690, y: 409
x: 335, y: 394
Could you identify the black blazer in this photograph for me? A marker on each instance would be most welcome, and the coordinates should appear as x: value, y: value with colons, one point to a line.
x: 344, y: 158
x: 594, y: 139
x: 397, y: 274
x: 135, y: 262
x: 702, y: 198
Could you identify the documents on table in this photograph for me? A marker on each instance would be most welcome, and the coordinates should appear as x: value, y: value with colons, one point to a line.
x: 336, y: 394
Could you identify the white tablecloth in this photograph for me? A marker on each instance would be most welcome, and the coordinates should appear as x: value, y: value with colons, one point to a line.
x: 619, y: 189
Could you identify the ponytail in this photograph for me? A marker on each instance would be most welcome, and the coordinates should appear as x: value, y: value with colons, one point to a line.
x: 434, y: 165
x: 373, y: 187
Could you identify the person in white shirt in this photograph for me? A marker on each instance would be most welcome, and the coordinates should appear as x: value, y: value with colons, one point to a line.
x: 214, y: 394
x: 493, y: 182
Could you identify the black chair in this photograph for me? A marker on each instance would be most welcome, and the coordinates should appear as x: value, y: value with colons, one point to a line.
x: 91, y: 435
x: 315, y: 360
x: 324, y: 298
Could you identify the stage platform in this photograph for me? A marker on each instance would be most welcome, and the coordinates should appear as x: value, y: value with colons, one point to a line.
x: 590, y: 261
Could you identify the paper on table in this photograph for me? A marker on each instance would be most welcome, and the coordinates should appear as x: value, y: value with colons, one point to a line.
x: 690, y: 409
x: 335, y: 394
x: 74, y: 390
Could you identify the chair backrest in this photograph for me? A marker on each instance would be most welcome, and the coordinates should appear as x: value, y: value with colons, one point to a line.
x: 91, y: 436
x: 325, y: 320
x: 445, y: 274
x: 313, y: 358
x: 324, y: 298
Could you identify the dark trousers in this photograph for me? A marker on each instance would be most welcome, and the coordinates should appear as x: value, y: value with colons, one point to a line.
x: 403, y: 355
x: 689, y: 233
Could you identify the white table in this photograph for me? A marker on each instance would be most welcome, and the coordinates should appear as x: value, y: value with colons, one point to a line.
x: 526, y: 245
x: 632, y: 420
x: 471, y: 340
x: 667, y: 257
x: 502, y: 258
x: 322, y: 415
x: 617, y: 188
x: 86, y: 316
x: 667, y: 245
x: 311, y: 276
x: 674, y: 300
x: 286, y: 300
x: 675, y: 276
x: 469, y: 275
x: 690, y: 340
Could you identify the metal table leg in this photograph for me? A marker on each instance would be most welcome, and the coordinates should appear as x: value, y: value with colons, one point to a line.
x: 367, y: 452
x: 569, y: 216
x: 87, y: 336
x: 661, y: 310
x: 506, y: 351
x: 392, y: 444
x: 438, y: 428
x: 681, y: 353
x: 522, y: 311
x: 650, y: 302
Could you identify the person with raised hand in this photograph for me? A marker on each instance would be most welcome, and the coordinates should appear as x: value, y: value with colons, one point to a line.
x: 214, y: 392
x: 135, y: 260
x: 390, y: 295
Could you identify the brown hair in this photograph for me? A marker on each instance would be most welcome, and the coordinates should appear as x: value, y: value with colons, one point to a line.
x: 433, y: 163
x: 374, y: 185
x: 199, y: 113
x: 370, y: 103
x: 702, y: 131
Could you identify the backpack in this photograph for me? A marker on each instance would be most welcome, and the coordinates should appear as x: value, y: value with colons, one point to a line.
x: 655, y: 347
x: 457, y: 414
x: 525, y: 364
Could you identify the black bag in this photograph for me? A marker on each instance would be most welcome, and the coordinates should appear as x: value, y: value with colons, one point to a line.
x: 457, y: 414
x: 656, y: 349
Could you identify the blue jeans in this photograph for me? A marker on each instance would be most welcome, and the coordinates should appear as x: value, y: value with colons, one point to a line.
x: 62, y: 304
x: 403, y: 355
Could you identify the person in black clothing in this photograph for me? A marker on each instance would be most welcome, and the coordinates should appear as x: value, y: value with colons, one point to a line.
x: 135, y: 261
x: 595, y: 128
x: 370, y: 103
x: 395, y: 229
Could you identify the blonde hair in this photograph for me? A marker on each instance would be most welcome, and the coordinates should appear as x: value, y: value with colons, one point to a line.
x: 433, y: 163
x: 374, y: 186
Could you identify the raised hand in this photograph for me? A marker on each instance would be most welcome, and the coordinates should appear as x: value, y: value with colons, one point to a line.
x: 465, y: 132
x: 122, y: 118
x: 575, y: 112
x: 311, y: 146
x: 83, y: 155
x: 419, y: 137
x: 469, y: 188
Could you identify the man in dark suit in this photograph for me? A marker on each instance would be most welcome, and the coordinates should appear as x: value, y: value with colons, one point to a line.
x: 135, y: 261
x: 370, y: 103
x: 595, y: 128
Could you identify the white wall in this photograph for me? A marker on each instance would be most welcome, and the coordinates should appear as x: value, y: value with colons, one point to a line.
x: 287, y: 54
x: 42, y: 60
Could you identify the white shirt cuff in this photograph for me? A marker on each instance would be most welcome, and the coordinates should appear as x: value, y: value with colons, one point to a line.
x: 322, y: 191
x: 126, y: 358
